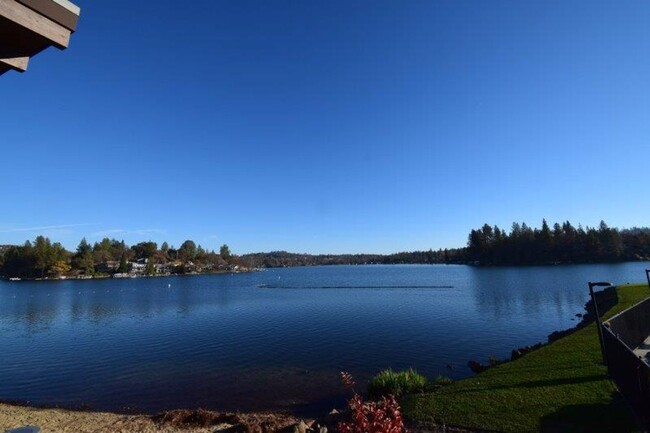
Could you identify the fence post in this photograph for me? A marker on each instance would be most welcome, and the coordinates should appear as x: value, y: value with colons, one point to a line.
x: 598, y: 322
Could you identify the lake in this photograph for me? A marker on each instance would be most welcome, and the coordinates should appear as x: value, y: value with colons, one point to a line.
x: 275, y: 339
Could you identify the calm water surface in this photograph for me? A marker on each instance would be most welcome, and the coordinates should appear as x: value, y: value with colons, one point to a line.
x: 274, y: 339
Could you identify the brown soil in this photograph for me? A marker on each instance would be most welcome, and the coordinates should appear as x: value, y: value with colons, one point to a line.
x: 245, y: 423
x: 177, y: 421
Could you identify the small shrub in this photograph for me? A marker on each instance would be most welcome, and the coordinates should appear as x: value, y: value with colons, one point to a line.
x: 382, y: 416
x: 396, y: 383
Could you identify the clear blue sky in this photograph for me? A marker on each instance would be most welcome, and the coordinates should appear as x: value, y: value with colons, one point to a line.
x: 321, y: 126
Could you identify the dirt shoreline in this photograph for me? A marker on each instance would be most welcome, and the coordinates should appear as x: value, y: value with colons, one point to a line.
x: 178, y: 421
x: 78, y: 421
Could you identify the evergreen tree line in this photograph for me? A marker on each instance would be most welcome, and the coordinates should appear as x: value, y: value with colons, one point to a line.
x: 276, y: 259
x: 489, y: 245
x: 44, y: 259
x: 563, y: 243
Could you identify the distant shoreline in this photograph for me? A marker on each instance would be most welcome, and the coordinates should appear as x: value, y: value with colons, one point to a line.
x: 129, y: 277
x: 263, y: 268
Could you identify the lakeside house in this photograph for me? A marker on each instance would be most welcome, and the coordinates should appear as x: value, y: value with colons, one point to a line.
x: 138, y: 267
x: 162, y: 268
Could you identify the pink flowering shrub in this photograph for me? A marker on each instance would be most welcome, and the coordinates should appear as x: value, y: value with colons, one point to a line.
x: 383, y: 416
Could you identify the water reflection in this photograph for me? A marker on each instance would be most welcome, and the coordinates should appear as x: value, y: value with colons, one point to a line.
x: 531, y: 291
x: 38, y: 305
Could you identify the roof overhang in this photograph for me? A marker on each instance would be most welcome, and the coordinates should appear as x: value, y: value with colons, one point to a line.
x: 27, y: 27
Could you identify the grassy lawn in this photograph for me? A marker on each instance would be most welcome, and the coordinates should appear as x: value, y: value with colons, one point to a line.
x: 561, y: 387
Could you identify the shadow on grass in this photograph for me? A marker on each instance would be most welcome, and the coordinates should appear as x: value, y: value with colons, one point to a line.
x: 534, y: 384
x: 572, y: 367
x: 556, y: 381
x: 599, y: 417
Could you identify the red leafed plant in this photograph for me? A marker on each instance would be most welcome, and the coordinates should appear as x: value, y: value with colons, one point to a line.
x: 381, y: 416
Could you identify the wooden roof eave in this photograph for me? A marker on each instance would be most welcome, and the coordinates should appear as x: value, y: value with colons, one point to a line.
x: 16, y: 63
x: 36, y: 23
x: 27, y: 27
x: 60, y: 11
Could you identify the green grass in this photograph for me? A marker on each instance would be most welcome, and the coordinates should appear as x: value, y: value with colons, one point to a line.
x: 562, y: 387
x: 442, y: 381
x: 396, y: 383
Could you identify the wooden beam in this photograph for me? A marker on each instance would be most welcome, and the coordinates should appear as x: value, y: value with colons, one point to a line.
x: 69, y: 6
x: 16, y: 63
x: 35, y: 22
x: 57, y: 10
